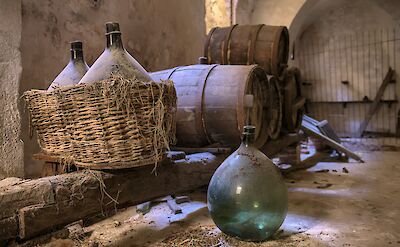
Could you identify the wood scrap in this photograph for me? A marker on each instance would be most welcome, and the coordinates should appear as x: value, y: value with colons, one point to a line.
x: 310, y: 131
x: 182, y: 199
x: 323, y: 127
x: 322, y: 171
x: 8, y: 228
x: 324, y: 186
x: 172, y: 202
x: 327, y: 130
x: 176, y: 155
x: 310, y: 162
x: 55, y: 236
x: 213, y: 150
x: 273, y: 147
x: 17, y: 193
x: 376, y: 102
x: 143, y: 208
x: 173, y: 206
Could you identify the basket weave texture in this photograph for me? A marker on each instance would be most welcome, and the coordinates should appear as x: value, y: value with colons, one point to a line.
x: 111, y: 124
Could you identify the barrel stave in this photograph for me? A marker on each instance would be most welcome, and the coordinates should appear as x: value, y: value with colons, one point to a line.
x: 267, y: 46
x: 210, y: 103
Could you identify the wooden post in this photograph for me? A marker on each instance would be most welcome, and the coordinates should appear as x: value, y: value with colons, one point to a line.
x: 376, y: 103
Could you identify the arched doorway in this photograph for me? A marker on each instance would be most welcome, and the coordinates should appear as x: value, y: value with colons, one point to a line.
x: 344, y: 49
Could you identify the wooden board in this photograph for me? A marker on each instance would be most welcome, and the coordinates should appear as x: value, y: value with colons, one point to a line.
x: 81, y: 194
x: 213, y: 150
x: 323, y: 127
x: 376, y: 103
x: 273, y: 147
x: 309, y: 130
x: 8, y: 228
x: 16, y: 193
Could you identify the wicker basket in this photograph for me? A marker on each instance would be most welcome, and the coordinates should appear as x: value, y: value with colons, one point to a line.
x: 116, y: 123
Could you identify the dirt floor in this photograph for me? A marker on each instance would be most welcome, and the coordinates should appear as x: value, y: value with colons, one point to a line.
x: 331, y: 204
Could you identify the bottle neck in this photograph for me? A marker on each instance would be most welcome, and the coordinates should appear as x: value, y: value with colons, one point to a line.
x: 248, y: 139
x: 76, y: 55
x: 114, y: 40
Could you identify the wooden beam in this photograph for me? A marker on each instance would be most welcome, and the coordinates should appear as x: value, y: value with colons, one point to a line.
x: 213, y: 150
x: 78, y: 195
x: 322, y: 127
x: 273, y: 147
x: 84, y: 193
x: 309, y: 131
x: 376, y: 103
x: 311, y: 161
x: 16, y: 193
x: 8, y: 228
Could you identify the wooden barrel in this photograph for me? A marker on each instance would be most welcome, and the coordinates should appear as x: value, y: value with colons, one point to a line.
x: 293, y: 101
x: 275, y: 113
x: 267, y: 46
x: 211, y: 103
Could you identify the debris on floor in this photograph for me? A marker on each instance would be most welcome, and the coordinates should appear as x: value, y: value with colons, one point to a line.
x: 345, y: 211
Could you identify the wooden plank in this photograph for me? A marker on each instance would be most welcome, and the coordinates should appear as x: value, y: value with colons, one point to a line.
x: 8, y: 228
x: 46, y: 157
x: 322, y: 127
x: 182, y: 199
x: 327, y: 130
x: 213, y: 150
x: 376, y: 103
x: 273, y: 147
x: 55, y: 160
x: 16, y: 194
x: 44, y: 240
x: 308, y: 129
x: 81, y: 194
x: 173, y: 206
x: 172, y: 155
x: 310, y: 119
x: 176, y: 155
x: 310, y: 162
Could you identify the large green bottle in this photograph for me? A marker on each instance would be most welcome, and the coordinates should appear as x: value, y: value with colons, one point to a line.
x: 247, y: 196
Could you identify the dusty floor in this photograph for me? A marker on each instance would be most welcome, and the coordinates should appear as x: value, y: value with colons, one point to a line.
x: 355, y: 206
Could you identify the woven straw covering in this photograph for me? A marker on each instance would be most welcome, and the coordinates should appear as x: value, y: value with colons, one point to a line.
x: 111, y: 124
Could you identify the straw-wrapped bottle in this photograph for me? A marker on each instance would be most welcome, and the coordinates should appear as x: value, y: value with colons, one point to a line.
x: 75, y: 69
x: 114, y: 60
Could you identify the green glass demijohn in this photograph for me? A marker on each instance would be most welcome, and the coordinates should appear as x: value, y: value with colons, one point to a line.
x: 247, y: 197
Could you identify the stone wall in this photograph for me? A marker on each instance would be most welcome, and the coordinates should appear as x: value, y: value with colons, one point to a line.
x: 158, y: 33
x: 243, y: 10
x: 218, y: 13
x: 275, y: 13
x: 11, y: 147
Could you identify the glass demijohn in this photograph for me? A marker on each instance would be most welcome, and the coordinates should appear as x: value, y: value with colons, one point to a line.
x: 75, y: 69
x: 114, y: 60
x: 247, y: 197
